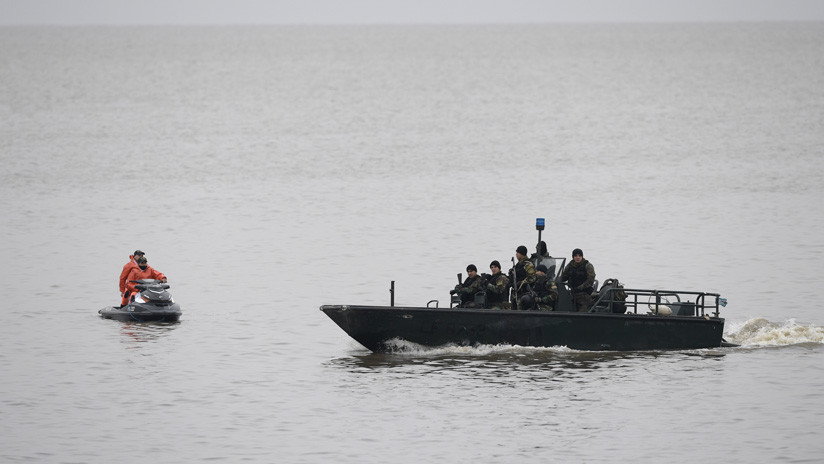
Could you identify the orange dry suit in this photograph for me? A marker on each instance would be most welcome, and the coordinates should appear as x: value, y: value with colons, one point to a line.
x: 132, y: 264
x: 138, y: 274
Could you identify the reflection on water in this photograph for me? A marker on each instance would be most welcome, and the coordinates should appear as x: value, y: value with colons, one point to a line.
x: 143, y: 332
x: 530, y: 371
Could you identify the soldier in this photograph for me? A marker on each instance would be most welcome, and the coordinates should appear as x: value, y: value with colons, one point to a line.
x: 538, y: 258
x: 497, y: 288
x: 546, y: 292
x: 467, y: 290
x: 580, y: 276
x: 523, y: 275
x: 545, y: 259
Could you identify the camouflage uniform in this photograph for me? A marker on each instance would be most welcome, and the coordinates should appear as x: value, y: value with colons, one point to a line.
x: 581, y: 277
x: 525, y: 277
x: 497, y: 291
x: 546, y: 293
x: 468, y: 289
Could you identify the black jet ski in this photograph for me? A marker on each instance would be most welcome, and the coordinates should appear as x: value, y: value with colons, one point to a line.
x: 153, y: 303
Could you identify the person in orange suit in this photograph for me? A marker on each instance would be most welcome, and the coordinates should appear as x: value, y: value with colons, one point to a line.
x: 132, y: 264
x: 142, y: 271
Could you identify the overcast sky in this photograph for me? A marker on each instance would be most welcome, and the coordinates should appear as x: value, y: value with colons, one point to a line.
x: 400, y: 11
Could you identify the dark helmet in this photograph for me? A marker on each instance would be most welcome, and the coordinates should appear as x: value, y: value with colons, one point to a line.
x: 495, y: 263
x: 521, y: 250
x: 577, y: 252
x: 526, y: 302
x: 471, y: 267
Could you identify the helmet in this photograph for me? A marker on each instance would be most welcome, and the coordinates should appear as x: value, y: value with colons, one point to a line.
x: 526, y: 302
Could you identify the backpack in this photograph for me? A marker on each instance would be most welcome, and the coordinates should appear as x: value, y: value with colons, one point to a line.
x: 618, y: 296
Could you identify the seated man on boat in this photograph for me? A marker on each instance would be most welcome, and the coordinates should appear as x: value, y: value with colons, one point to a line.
x: 546, y: 292
x: 497, y: 287
x: 469, y: 287
x: 580, y: 277
x: 522, y: 275
x: 142, y: 271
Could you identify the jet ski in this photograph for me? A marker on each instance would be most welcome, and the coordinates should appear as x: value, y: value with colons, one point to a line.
x: 152, y: 303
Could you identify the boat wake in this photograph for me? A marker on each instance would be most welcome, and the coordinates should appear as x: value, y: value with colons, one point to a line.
x: 759, y: 331
x: 403, y: 347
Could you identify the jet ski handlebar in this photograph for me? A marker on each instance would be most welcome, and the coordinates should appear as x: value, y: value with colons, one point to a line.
x: 146, y: 283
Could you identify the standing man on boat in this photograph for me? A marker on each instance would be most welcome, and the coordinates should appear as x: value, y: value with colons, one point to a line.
x: 467, y: 290
x: 544, y: 258
x: 497, y: 288
x: 546, y: 292
x: 523, y: 276
x: 132, y: 264
x: 580, y: 276
x: 538, y: 258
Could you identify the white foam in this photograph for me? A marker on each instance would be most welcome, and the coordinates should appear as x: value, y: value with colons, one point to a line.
x: 762, y: 332
x: 403, y: 347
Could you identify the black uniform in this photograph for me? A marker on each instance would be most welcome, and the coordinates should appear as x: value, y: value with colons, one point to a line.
x: 581, y: 278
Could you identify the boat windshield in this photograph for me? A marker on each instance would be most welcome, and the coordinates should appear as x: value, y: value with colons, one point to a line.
x: 554, y: 266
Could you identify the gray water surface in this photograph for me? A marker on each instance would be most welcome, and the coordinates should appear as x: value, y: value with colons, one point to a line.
x: 269, y: 170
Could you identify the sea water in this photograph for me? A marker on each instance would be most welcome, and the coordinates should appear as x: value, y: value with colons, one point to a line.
x: 269, y: 170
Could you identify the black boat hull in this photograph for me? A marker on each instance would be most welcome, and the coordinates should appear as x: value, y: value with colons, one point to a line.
x: 374, y: 326
x: 142, y: 313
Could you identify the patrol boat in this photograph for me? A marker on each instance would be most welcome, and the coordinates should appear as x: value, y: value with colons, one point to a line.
x: 620, y: 319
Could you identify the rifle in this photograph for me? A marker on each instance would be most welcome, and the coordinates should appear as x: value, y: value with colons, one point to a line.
x: 460, y: 284
x: 455, y: 297
x: 514, y: 297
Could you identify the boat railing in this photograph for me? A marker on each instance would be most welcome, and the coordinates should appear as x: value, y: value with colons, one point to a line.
x: 659, y: 302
